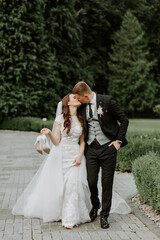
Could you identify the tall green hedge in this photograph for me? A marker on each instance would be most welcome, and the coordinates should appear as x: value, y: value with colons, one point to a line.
x: 41, y: 57
x: 28, y: 68
x: 146, y: 171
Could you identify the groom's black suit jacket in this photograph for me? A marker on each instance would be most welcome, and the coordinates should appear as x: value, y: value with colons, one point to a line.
x: 113, y: 122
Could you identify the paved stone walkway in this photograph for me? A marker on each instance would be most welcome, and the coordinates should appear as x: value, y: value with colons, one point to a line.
x: 18, y: 163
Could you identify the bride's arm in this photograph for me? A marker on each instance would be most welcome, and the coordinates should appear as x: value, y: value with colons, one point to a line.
x: 56, y: 137
x: 78, y: 159
x: 82, y: 145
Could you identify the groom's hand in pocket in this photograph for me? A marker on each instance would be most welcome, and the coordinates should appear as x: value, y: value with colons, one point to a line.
x: 77, y: 161
x: 116, y: 144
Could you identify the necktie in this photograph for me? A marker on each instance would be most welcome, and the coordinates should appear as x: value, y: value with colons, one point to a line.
x: 90, y: 110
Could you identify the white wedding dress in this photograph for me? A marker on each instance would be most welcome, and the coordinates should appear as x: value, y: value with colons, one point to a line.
x: 59, y: 190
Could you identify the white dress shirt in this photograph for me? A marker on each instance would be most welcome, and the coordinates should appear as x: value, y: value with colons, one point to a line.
x: 93, y: 106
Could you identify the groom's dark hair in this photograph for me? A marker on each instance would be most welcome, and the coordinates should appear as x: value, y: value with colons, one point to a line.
x: 80, y: 88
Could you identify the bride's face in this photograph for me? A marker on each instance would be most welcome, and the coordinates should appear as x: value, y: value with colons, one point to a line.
x: 73, y: 101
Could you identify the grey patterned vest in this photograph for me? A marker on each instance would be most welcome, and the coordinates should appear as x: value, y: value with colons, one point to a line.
x: 95, y: 130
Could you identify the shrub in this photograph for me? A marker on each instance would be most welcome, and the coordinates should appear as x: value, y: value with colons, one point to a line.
x: 140, y: 142
x: 156, y: 109
x: 146, y: 173
x: 25, y: 124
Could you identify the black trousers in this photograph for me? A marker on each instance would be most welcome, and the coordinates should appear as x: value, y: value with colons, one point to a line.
x: 105, y: 157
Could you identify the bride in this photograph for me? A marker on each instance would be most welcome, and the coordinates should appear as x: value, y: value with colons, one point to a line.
x: 59, y: 190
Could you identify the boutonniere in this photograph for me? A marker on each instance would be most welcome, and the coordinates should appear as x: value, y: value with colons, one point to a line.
x: 100, y: 111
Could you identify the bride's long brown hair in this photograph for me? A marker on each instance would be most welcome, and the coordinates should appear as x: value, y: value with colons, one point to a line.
x: 67, y: 115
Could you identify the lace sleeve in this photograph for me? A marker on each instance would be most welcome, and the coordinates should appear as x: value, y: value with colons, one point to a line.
x: 59, y: 119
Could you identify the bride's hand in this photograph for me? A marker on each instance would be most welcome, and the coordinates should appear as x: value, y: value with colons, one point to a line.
x: 77, y: 161
x: 45, y: 131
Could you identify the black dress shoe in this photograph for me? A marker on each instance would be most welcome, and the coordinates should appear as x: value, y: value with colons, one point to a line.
x: 104, y: 222
x: 93, y: 213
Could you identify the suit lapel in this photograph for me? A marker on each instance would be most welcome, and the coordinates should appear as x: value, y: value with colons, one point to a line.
x: 99, y: 104
x: 84, y: 116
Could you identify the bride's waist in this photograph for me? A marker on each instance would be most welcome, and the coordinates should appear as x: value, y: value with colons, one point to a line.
x: 73, y: 146
x: 70, y: 146
x: 70, y: 142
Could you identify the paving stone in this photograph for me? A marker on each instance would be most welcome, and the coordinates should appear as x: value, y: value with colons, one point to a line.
x: 56, y: 235
x: 113, y: 235
x: 103, y: 235
x: 7, y: 237
x: 27, y: 234
x: 38, y: 237
x: 133, y: 236
x: 75, y: 235
x: 122, y: 235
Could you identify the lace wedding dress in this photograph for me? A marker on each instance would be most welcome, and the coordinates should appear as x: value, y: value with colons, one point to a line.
x: 59, y: 190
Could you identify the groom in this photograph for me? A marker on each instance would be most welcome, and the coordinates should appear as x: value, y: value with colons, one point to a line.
x: 105, y: 127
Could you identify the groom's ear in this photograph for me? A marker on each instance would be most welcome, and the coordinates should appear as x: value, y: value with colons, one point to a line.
x: 86, y: 96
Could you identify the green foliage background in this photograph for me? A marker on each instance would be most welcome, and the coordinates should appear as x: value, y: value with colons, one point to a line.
x: 48, y: 46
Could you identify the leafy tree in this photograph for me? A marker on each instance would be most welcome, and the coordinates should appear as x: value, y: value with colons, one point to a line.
x: 64, y: 36
x: 93, y: 17
x: 28, y: 68
x: 117, y: 9
x: 130, y: 80
x: 99, y: 20
x: 153, y: 36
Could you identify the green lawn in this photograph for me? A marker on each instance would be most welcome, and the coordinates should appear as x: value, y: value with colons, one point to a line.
x: 144, y: 124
